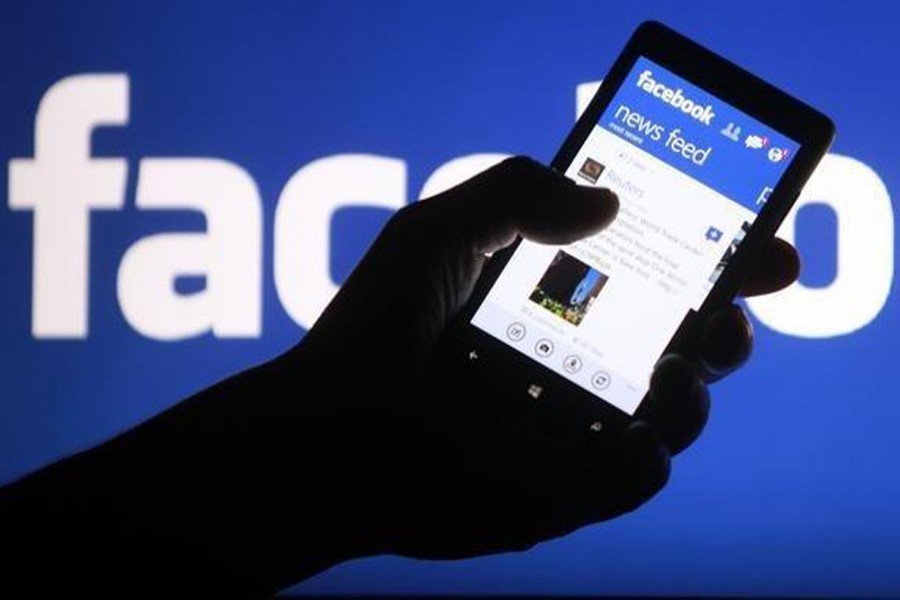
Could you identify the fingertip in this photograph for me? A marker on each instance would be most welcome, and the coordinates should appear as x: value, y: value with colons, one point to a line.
x: 673, y: 375
x: 644, y: 442
x: 566, y: 212
x: 606, y: 204
x: 726, y: 341
x: 678, y: 403
x: 786, y: 253
x: 521, y: 196
x: 778, y: 267
x: 648, y: 457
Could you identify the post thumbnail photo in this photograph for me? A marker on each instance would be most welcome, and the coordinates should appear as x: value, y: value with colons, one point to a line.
x: 568, y: 288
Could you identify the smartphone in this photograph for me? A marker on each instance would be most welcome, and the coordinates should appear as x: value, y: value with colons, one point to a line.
x: 706, y: 159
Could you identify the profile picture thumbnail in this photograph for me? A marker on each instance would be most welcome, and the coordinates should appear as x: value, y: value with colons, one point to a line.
x: 591, y: 170
x: 568, y: 288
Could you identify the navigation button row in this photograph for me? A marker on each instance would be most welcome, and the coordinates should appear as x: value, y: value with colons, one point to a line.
x: 572, y: 364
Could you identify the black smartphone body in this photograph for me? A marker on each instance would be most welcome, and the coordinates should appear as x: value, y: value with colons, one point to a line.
x: 706, y: 159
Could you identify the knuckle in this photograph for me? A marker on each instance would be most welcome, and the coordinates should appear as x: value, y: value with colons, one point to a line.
x: 404, y: 217
x: 517, y: 166
x: 405, y: 226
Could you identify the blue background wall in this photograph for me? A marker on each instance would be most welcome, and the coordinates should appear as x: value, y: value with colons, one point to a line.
x: 794, y: 487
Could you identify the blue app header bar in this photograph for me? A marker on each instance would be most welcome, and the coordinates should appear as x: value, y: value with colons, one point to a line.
x: 699, y: 134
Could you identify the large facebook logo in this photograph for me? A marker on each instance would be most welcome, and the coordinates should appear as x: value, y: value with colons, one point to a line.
x: 62, y: 184
x: 187, y: 187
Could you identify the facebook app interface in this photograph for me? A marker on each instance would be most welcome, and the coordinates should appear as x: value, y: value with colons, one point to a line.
x: 691, y: 173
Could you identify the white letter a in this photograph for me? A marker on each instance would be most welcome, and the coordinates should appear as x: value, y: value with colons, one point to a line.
x: 228, y: 254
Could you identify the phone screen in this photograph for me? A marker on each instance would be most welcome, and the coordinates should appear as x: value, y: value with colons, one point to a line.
x: 691, y: 173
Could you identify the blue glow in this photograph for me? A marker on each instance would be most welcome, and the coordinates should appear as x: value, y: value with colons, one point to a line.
x: 792, y: 490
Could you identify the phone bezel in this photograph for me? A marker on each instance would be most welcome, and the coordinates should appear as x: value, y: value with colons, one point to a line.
x: 730, y: 83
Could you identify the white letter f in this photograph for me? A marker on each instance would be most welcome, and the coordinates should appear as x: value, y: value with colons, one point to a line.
x: 61, y: 184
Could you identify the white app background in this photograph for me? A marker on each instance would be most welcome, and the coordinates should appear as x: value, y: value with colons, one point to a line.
x: 658, y: 256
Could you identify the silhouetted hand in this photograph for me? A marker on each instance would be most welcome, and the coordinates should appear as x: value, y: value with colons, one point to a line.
x: 356, y: 442
x: 452, y: 470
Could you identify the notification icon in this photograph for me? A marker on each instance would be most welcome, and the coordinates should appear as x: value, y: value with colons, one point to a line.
x: 756, y: 142
x: 776, y: 155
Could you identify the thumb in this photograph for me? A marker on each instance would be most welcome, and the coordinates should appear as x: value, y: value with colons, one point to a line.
x: 522, y: 197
